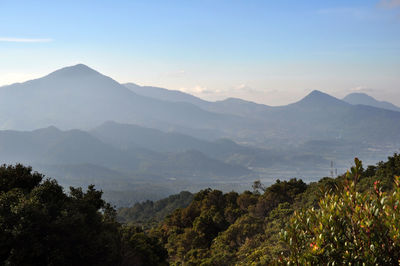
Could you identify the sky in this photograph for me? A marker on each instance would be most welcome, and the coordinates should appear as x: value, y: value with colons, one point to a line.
x: 271, y: 52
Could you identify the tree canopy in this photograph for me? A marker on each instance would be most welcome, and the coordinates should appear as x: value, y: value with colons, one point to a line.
x: 40, y: 224
x: 353, y: 218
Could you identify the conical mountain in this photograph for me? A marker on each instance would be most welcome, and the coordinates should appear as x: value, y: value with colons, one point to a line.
x: 80, y: 97
x: 319, y: 98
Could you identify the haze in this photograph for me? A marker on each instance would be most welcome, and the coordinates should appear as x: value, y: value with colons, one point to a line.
x: 271, y: 52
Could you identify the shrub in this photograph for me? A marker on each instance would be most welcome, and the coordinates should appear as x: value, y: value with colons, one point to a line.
x: 348, y: 227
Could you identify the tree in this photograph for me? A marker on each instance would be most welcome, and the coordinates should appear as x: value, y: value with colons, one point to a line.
x: 348, y: 227
x: 42, y: 225
x: 139, y: 248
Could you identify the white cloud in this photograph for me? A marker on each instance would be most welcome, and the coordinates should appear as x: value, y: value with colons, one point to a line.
x: 26, y: 40
x: 245, y: 88
x: 241, y: 88
x: 234, y: 91
x: 199, y: 90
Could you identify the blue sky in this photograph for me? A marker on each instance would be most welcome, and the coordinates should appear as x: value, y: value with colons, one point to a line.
x: 272, y: 52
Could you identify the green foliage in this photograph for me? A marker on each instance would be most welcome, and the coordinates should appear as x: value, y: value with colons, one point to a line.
x: 18, y: 177
x: 351, y: 219
x: 348, y: 227
x: 42, y: 225
x: 225, y: 229
x: 139, y: 248
x: 149, y: 211
x: 332, y: 220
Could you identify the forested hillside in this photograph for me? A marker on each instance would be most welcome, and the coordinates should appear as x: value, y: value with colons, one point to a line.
x: 353, y: 218
x: 149, y: 211
x: 40, y: 224
x: 229, y: 228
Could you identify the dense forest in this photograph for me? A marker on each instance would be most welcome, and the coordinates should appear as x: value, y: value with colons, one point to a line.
x: 353, y: 218
x: 40, y: 224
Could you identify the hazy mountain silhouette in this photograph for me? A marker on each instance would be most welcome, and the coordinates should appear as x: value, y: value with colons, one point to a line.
x: 148, y: 135
x: 165, y: 94
x: 50, y: 146
x: 80, y: 97
x: 232, y: 106
x: 126, y: 136
x: 319, y: 115
x: 317, y: 99
x: 316, y: 116
x: 365, y: 99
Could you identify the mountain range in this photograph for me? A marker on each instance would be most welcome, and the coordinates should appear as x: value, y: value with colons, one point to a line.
x: 82, y: 127
x: 318, y: 115
x: 79, y: 97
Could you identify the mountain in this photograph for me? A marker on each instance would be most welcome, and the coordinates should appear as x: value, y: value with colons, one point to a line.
x: 319, y: 99
x: 316, y: 116
x: 144, y: 136
x: 233, y: 106
x: 130, y: 136
x: 238, y: 107
x: 321, y: 116
x: 126, y: 136
x: 80, y: 97
x: 74, y: 149
x: 365, y: 99
x: 165, y: 94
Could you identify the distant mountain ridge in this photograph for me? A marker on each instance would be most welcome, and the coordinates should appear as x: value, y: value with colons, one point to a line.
x: 164, y: 94
x: 150, y: 141
x: 317, y: 115
x: 365, y: 99
x: 79, y: 97
x: 51, y: 146
x: 233, y: 106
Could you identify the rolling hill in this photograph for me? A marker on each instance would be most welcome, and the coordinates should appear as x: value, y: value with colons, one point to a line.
x: 50, y: 146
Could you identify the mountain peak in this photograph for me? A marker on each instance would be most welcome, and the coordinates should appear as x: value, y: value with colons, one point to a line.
x: 358, y: 96
x: 317, y: 93
x: 76, y: 70
x: 47, y: 130
x: 318, y: 97
x: 364, y: 99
